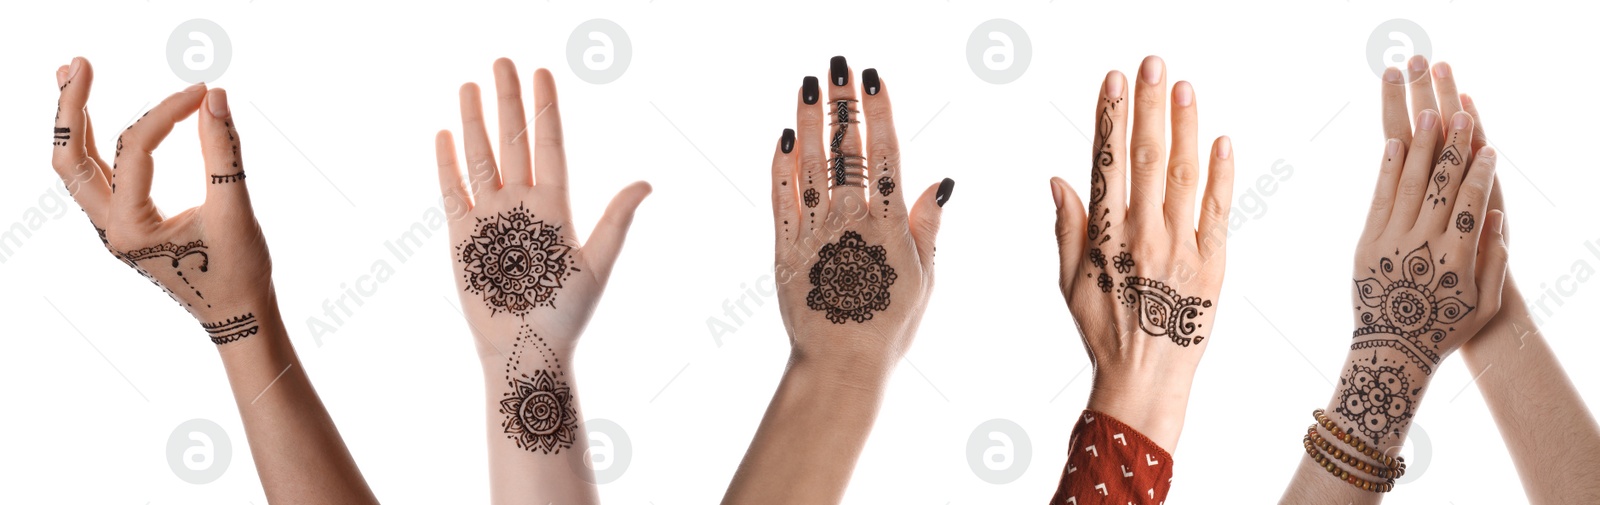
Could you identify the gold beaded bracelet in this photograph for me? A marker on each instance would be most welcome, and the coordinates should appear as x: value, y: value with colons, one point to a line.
x: 1357, y: 443
x: 1352, y: 461
x: 1342, y: 474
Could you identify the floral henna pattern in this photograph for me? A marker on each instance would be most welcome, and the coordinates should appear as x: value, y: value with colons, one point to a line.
x: 1124, y: 262
x: 539, y: 410
x: 516, y: 262
x: 885, y: 186
x: 1465, y: 222
x: 1409, y: 307
x: 1377, y: 398
x: 850, y: 280
x: 1162, y: 311
x: 1097, y: 258
x: 811, y: 197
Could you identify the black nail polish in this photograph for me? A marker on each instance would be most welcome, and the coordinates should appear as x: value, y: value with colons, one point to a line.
x: 943, y: 195
x: 788, y: 140
x: 809, y: 90
x: 869, y: 80
x: 839, y: 71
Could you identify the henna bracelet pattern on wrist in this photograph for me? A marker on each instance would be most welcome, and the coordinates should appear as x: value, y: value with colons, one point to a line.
x: 1342, y: 474
x: 232, y: 329
x: 1355, y: 442
x: 1352, y: 461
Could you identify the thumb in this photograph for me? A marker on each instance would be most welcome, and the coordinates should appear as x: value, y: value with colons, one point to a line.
x: 220, y: 143
x: 1070, y: 235
x: 605, y: 242
x: 925, y: 217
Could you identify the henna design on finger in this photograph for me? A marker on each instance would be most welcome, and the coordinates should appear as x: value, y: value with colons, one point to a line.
x: 541, y: 415
x: 811, y: 197
x: 1441, y: 172
x: 1099, y: 216
x: 515, y: 262
x: 1465, y: 222
x: 1409, y: 306
x: 232, y: 329
x: 62, y: 135
x: 842, y: 122
x: 224, y: 179
x: 238, y: 174
x: 1124, y: 262
x: 885, y: 186
x: 1162, y: 311
x: 1378, y: 399
x: 850, y: 280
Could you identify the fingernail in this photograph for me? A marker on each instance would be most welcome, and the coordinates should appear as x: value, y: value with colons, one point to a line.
x: 1182, y: 94
x: 788, y: 140
x: 809, y: 90
x: 1151, y: 70
x: 1459, y: 121
x: 1418, y: 66
x: 1391, y: 149
x: 61, y: 78
x: 1224, y: 148
x: 1486, y: 152
x: 869, y: 80
x: 943, y: 195
x: 1055, y: 192
x: 1426, y: 119
x: 77, y: 64
x: 1441, y: 70
x: 1497, y: 222
x: 839, y: 71
x: 1113, y: 85
x: 1391, y: 75
x: 218, y: 100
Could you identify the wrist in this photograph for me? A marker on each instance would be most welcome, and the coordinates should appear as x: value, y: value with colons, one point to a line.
x: 1151, y: 401
x: 1377, y: 397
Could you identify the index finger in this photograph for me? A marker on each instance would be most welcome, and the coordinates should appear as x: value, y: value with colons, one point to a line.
x: 133, y: 167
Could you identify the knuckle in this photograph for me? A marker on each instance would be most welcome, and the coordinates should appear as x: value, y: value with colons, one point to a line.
x: 1473, y: 192
x: 1412, y: 188
x: 1146, y: 155
x: 1182, y: 174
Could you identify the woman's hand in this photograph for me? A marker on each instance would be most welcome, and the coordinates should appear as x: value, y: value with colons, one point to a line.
x: 1429, y: 266
x: 211, y: 259
x: 1140, y: 280
x: 854, y: 268
x: 528, y: 285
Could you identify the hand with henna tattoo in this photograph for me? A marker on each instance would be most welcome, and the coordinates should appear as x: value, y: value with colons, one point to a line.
x: 528, y: 286
x: 855, y: 269
x: 213, y: 261
x: 1140, y: 280
x: 1429, y: 270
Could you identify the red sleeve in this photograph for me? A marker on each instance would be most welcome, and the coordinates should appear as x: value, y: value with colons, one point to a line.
x: 1112, y: 463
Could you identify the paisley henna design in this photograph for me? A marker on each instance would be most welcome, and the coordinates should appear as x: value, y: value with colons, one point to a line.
x: 515, y: 262
x: 540, y: 412
x: 1162, y: 311
x: 1377, y: 398
x: 1409, y: 307
x: 850, y: 280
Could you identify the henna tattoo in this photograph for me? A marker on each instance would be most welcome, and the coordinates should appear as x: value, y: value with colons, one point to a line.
x: 1162, y: 311
x: 515, y: 262
x: 1097, y: 258
x: 885, y: 186
x: 238, y: 174
x: 1099, y: 215
x: 224, y: 179
x: 1441, y: 173
x: 63, y: 134
x: 177, y: 253
x: 836, y: 145
x: 539, y: 408
x: 850, y: 280
x: 232, y: 329
x: 811, y: 197
x: 1124, y: 262
x: 1104, y: 282
x: 1408, y: 307
x: 1377, y: 398
x: 1464, y: 222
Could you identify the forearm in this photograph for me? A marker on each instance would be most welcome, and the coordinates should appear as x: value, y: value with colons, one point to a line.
x: 812, y: 434
x: 298, y: 452
x: 1374, y: 402
x: 1151, y: 401
x: 1551, y: 435
x: 538, y: 447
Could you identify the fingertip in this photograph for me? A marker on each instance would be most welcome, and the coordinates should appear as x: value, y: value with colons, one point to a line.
x: 217, y: 103
x: 1392, y: 75
x: 1183, y: 94
x: 1418, y: 66
x: 1114, y: 84
x: 1222, y: 148
x: 1152, y: 70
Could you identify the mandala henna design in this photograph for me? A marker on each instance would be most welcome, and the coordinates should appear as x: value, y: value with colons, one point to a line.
x: 539, y: 408
x: 232, y: 329
x: 885, y: 186
x: 1377, y: 398
x: 1162, y: 311
x: 515, y: 262
x: 850, y: 280
x: 1408, y: 307
x: 811, y: 197
x: 1124, y: 262
x: 1464, y: 222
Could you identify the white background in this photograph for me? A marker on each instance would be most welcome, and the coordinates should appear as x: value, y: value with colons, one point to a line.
x: 337, y: 106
